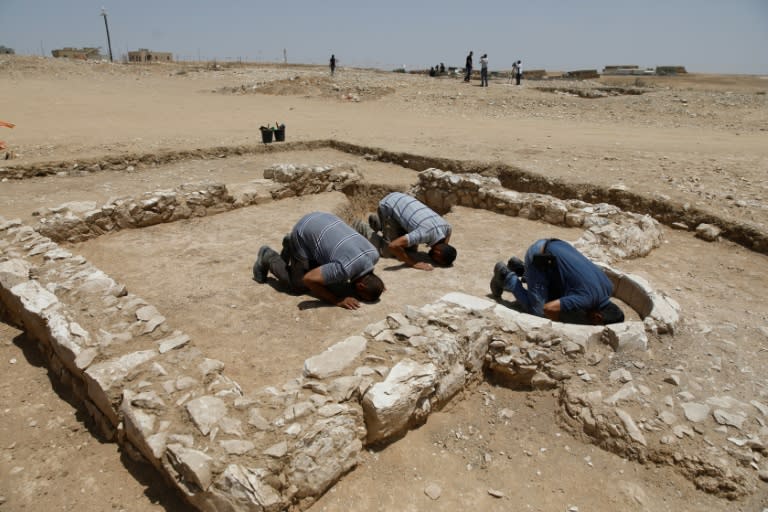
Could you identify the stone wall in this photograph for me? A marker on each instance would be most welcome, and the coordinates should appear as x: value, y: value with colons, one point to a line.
x: 226, y: 448
x: 610, y: 233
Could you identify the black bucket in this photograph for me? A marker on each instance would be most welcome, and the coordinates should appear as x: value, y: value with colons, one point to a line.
x: 280, y: 134
x: 266, y: 136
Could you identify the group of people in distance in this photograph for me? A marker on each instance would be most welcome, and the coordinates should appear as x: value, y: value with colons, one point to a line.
x: 335, y: 262
x: 517, y: 70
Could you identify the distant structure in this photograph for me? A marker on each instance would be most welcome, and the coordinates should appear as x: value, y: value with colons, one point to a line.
x: 77, y: 53
x: 582, y: 74
x: 627, y: 70
x: 4, y: 50
x: 144, y: 55
x: 671, y: 70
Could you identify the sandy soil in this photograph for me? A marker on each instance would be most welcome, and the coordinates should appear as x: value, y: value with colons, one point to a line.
x: 699, y: 140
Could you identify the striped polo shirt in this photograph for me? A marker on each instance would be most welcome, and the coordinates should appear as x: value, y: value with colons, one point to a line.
x: 323, y: 240
x: 422, y: 224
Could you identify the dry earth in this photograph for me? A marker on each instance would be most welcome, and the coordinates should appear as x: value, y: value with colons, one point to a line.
x: 695, y: 140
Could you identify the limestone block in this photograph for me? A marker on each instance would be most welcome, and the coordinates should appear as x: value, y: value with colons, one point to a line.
x: 193, y: 466
x: 13, y: 272
x: 105, y: 379
x: 345, y: 388
x: 390, y: 406
x: 205, y: 412
x: 176, y: 340
x: 34, y: 298
x: 632, y: 430
x: 695, y: 412
x: 138, y: 425
x: 583, y: 335
x: 451, y: 383
x: 236, y: 446
x: 244, y: 488
x: 329, y: 449
x: 665, y: 314
x: 626, y: 337
x: 468, y: 301
x: 335, y: 358
x: 516, y: 320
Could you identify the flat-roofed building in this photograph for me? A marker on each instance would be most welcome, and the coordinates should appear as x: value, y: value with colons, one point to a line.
x: 144, y: 55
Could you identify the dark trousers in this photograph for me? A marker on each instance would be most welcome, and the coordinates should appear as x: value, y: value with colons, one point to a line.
x: 484, y: 77
x: 518, y: 76
x: 288, y: 271
x: 468, y: 74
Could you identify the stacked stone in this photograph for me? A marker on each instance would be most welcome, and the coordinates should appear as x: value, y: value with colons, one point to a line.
x: 73, y: 223
x: 301, y: 180
x: 610, y: 233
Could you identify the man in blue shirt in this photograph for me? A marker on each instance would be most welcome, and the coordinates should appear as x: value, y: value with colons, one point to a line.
x: 405, y: 222
x: 323, y: 251
x: 562, y: 285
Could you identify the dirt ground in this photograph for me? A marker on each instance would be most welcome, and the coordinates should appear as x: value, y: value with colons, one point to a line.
x: 699, y: 140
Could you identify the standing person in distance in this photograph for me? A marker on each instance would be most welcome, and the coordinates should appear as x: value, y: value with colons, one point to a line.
x: 518, y: 72
x: 468, y: 67
x: 484, y: 70
x: 332, y: 64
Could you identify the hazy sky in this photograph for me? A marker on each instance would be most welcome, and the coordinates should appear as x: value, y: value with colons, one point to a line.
x: 721, y: 36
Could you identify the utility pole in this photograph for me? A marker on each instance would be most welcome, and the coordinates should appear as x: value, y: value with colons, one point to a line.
x: 106, y: 25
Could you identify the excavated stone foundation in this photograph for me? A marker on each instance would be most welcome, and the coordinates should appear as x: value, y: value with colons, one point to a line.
x: 227, y: 448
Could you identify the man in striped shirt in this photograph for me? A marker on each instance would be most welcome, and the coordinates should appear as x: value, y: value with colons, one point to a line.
x: 320, y: 252
x: 405, y: 222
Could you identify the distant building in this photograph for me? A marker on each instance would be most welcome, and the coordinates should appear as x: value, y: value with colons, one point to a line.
x: 144, y: 55
x: 77, y: 53
x: 4, y: 50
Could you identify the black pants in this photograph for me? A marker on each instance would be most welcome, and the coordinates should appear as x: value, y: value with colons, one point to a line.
x: 286, y: 268
x: 518, y: 76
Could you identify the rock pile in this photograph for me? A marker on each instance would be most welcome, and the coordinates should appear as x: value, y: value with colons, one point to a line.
x: 300, y: 180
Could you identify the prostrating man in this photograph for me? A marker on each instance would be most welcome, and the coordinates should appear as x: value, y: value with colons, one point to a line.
x: 404, y: 223
x: 562, y: 285
x: 322, y: 251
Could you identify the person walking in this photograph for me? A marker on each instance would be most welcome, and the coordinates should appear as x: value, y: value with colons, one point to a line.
x: 332, y: 64
x: 518, y: 72
x: 468, y: 67
x: 325, y: 256
x: 484, y: 70
x: 562, y: 285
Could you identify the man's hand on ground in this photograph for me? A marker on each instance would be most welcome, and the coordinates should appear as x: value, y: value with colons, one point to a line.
x: 423, y: 265
x: 348, y: 303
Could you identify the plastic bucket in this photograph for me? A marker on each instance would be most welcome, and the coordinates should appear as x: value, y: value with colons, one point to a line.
x: 266, y: 136
x: 280, y: 135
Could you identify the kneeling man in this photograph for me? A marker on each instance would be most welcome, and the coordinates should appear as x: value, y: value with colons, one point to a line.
x: 562, y: 285
x: 404, y: 223
x: 320, y: 251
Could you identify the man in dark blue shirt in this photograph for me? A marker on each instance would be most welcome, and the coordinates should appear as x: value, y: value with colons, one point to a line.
x: 562, y: 285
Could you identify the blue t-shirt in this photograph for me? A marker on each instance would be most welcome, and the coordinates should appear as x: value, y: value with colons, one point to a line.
x: 576, y: 281
x: 323, y: 240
